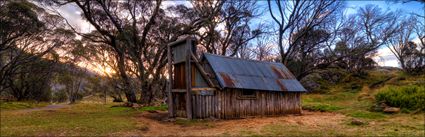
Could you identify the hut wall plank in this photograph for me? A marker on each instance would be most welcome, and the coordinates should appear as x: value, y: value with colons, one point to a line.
x: 266, y: 103
x: 227, y: 104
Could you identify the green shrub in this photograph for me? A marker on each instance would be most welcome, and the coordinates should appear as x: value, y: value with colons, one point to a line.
x: 60, y: 96
x: 410, y: 97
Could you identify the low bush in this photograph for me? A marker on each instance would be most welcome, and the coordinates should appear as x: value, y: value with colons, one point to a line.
x: 410, y: 97
x: 59, y: 96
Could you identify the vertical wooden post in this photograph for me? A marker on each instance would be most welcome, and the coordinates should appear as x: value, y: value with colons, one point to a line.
x: 105, y: 96
x: 188, y: 79
x: 170, y: 83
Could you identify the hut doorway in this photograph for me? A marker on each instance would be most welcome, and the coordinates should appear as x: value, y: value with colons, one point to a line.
x: 180, y: 101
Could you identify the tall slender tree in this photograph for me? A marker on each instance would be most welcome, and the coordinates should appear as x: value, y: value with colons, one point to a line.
x: 299, y: 17
x: 123, y: 26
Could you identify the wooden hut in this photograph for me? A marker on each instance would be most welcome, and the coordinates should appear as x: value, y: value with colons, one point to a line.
x: 226, y: 88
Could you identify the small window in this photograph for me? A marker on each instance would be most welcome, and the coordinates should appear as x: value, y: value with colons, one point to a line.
x: 248, y: 94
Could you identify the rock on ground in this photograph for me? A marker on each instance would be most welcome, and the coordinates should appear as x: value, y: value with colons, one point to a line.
x: 391, y: 110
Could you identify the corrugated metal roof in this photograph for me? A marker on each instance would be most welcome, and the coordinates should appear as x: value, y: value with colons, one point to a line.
x: 251, y: 74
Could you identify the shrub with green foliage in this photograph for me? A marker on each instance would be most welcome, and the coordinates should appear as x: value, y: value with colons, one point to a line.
x: 60, y: 96
x: 410, y: 97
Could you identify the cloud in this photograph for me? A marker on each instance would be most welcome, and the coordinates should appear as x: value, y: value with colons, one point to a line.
x: 416, y: 40
x: 73, y: 15
x: 386, y: 58
x: 167, y: 4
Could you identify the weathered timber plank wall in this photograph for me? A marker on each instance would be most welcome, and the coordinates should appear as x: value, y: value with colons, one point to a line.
x: 228, y: 104
x: 179, y: 103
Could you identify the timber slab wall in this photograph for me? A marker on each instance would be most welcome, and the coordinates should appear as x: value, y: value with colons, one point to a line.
x: 229, y: 104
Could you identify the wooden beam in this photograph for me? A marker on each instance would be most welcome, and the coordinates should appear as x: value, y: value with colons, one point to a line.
x: 178, y: 90
x: 193, y: 89
x: 180, y: 41
x: 170, y: 84
x: 203, y: 72
x: 197, y: 89
x: 188, y: 79
x: 203, y: 92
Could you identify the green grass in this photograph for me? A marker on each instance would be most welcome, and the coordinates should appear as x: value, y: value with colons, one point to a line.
x: 333, y: 102
x: 21, y: 105
x: 247, y: 132
x: 77, y: 120
x: 162, y: 107
x: 321, y: 107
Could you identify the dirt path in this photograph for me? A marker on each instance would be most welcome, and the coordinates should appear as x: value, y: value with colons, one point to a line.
x: 154, y: 124
x: 49, y: 107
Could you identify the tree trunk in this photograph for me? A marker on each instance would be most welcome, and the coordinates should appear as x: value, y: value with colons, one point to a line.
x: 282, y: 52
x: 144, y: 94
x: 144, y: 97
x: 403, y: 66
x: 129, y: 91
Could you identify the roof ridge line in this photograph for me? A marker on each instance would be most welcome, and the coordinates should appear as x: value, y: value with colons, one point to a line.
x: 242, y: 59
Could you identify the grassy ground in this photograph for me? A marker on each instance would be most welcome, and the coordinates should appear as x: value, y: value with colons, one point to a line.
x: 354, y: 106
x: 21, y: 105
x: 81, y: 119
x: 330, y: 114
x: 354, y: 99
x: 382, y: 127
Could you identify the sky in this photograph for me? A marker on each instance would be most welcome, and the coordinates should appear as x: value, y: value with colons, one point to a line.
x: 384, y: 58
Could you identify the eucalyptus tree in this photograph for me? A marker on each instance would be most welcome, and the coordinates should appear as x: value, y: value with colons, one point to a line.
x: 362, y: 35
x: 122, y: 27
x: 28, y: 35
x: 223, y: 27
x: 410, y: 54
x: 298, y: 16
x: 303, y: 33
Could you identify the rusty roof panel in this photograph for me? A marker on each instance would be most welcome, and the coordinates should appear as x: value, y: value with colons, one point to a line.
x: 292, y: 85
x: 250, y: 74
